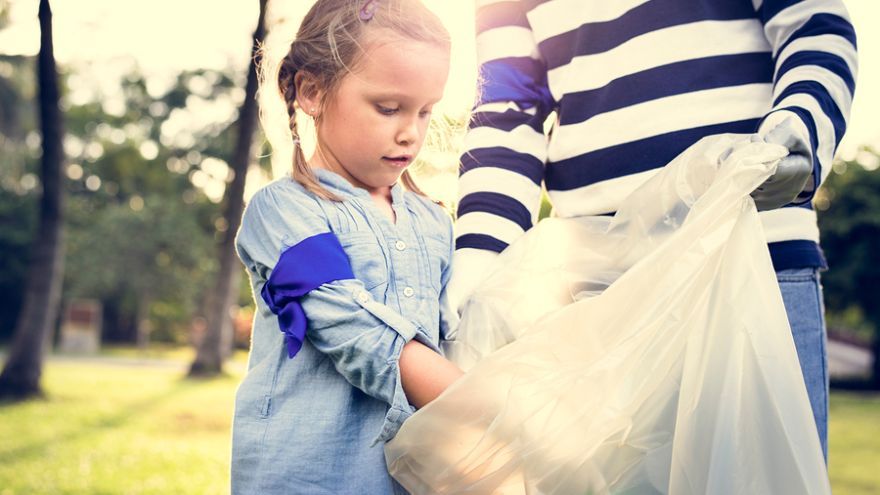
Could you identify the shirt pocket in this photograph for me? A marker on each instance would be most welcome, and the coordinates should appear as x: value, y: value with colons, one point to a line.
x: 438, y: 259
x: 366, y: 257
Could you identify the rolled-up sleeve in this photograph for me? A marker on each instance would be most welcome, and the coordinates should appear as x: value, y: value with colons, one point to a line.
x: 364, y: 339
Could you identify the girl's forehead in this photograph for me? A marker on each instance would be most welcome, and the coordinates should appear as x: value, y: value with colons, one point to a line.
x: 397, y: 66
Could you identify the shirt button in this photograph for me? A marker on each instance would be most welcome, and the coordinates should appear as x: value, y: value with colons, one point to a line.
x: 400, y: 245
x: 363, y: 297
x: 408, y: 292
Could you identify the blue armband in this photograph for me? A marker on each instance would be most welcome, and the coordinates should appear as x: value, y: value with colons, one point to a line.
x: 309, y: 264
x: 519, y: 80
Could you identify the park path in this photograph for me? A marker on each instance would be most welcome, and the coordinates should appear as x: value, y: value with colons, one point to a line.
x: 844, y: 360
x: 237, y: 367
x: 847, y: 360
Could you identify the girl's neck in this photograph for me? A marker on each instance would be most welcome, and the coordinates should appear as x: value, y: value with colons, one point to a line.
x: 383, y: 201
x: 381, y: 196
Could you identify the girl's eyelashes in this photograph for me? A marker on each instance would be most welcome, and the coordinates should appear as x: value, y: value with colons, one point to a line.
x: 386, y: 110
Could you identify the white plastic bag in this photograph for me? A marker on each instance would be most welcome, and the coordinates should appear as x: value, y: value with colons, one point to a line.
x: 646, y: 353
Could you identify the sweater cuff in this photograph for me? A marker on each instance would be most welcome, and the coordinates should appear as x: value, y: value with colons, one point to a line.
x: 801, y: 130
x: 470, y: 267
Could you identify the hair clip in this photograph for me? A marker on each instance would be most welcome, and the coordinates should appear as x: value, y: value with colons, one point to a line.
x: 296, y: 141
x: 368, y: 10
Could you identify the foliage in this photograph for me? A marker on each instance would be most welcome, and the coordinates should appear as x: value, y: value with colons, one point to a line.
x: 850, y: 226
x: 140, y: 216
x: 13, y: 86
x: 159, y: 254
x: 18, y: 215
x: 849, y: 220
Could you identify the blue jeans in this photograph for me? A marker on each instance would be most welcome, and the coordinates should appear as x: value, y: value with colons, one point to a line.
x: 802, y: 295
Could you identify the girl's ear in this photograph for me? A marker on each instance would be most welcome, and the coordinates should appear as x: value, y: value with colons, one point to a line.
x: 309, y: 92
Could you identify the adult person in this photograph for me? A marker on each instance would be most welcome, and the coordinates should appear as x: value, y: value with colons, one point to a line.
x: 634, y: 83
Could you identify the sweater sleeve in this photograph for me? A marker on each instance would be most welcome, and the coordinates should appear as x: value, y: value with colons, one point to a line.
x: 814, y: 51
x: 505, y: 149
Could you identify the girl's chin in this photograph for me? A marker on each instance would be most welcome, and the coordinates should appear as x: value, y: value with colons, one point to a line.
x: 390, y: 178
x: 381, y: 182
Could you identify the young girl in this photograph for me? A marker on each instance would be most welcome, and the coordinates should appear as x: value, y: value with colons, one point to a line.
x: 347, y: 259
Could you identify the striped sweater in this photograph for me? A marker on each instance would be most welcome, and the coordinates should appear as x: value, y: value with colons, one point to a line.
x: 633, y: 83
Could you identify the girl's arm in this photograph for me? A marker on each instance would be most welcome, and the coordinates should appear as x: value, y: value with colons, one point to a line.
x: 361, y: 336
x: 424, y: 373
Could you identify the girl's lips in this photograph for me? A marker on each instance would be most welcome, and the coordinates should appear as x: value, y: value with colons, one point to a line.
x: 398, y: 161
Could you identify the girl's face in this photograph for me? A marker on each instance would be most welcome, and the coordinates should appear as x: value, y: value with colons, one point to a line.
x: 373, y: 125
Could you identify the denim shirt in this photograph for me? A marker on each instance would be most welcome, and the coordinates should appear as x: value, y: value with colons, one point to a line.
x: 316, y: 423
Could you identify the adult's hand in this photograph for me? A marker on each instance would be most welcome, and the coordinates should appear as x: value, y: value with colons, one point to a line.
x: 793, y: 176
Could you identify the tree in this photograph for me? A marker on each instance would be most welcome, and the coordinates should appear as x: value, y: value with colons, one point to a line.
x: 162, y: 239
x: 147, y: 211
x: 21, y: 375
x: 850, y: 226
x: 217, y: 340
x: 8, y: 92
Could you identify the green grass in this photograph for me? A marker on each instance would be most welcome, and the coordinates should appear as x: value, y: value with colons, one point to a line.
x: 118, y: 429
x: 109, y: 426
x: 161, y: 351
x: 854, y: 449
x: 156, y: 350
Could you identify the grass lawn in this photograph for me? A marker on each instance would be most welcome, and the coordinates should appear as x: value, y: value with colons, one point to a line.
x: 114, y: 426
x: 119, y: 427
x: 854, y: 449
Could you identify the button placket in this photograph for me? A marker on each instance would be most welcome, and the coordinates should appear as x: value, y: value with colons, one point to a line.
x: 405, y: 251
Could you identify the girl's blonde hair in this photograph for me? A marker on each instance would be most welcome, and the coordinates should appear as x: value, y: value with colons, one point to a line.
x: 328, y: 45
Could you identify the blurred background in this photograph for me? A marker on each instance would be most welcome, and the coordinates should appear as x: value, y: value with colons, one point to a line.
x: 129, y: 142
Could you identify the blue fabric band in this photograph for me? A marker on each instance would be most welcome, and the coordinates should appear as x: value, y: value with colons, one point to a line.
x: 514, y: 80
x: 302, y: 268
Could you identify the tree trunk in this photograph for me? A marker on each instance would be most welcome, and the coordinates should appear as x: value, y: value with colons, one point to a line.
x: 21, y: 375
x: 144, y: 326
x: 217, y: 341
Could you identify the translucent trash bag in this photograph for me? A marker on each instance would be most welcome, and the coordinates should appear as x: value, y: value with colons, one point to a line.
x: 645, y: 353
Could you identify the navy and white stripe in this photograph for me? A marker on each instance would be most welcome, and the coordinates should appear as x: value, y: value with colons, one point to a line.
x: 633, y: 83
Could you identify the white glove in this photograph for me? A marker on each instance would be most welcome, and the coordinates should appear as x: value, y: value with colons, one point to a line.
x: 793, y: 176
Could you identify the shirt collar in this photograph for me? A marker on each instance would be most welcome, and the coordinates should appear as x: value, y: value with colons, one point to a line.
x: 340, y: 185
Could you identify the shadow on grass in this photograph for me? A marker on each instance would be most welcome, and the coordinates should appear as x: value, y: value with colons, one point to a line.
x: 100, y: 424
x: 11, y: 398
x: 208, y: 377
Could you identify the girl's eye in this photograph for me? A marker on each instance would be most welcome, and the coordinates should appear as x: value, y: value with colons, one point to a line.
x: 425, y: 113
x: 386, y: 110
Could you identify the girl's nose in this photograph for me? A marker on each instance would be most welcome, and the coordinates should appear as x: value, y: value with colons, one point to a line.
x: 409, y: 131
